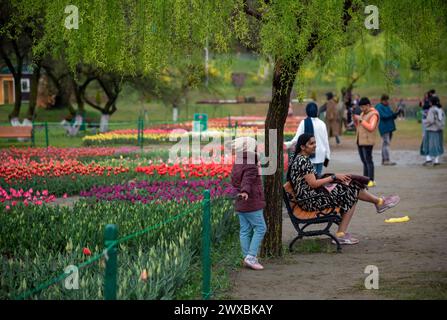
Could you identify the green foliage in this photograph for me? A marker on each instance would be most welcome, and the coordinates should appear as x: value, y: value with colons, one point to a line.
x: 39, y: 242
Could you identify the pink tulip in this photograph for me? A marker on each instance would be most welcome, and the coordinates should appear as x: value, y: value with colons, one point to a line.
x: 8, y: 207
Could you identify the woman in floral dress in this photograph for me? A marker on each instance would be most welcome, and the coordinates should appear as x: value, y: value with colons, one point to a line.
x: 335, y: 191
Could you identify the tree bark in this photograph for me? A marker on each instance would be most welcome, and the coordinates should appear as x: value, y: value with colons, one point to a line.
x: 17, y: 75
x: 63, y: 87
x: 34, y: 91
x: 78, y: 91
x: 283, y: 79
x: 17, y: 94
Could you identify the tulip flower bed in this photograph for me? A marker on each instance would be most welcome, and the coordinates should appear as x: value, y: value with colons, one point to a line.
x: 39, y: 242
x: 155, y: 136
x: 28, y: 197
x: 160, y: 191
x: 242, y: 121
x: 23, y: 170
x: 59, y: 170
x: 52, y: 153
x: 220, y: 170
x: 117, y: 185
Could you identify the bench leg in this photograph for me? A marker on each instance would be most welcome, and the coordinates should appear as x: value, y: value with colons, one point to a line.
x: 293, y: 242
x: 336, y: 241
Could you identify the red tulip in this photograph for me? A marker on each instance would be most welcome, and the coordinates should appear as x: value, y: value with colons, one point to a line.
x: 87, y: 251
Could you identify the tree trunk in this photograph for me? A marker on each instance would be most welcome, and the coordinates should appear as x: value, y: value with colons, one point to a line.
x: 104, y: 123
x: 63, y: 88
x: 17, y: 75
x: 63, y: 95
x: 174, y: 113
x: 34, y: 91
x: 78, y: 91
x: 17, y: 93
x: 283, y: 79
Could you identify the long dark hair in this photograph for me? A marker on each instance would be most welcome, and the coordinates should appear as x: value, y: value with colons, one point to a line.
x: 302, y: 141
x: 434, y: 100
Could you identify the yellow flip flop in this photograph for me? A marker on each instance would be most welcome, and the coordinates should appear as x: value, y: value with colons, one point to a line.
x: 396, y: 220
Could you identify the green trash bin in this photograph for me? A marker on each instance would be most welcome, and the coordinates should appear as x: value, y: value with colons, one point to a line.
x: 200, y: 122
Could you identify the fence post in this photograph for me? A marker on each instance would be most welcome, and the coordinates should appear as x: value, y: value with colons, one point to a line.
x: 46, y: 134
x: 138, y: 136
x: 206, y: 246
x: 142, y: 133
x: 111, y: 273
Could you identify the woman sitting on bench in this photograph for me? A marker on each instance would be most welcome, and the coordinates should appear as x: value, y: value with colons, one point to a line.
x: 321, y: 195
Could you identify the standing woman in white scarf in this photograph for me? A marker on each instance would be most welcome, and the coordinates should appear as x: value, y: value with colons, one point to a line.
x: 433, y: 144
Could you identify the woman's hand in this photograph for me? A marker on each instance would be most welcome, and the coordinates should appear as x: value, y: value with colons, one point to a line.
x: 344, y: 178
x: 243, y: 195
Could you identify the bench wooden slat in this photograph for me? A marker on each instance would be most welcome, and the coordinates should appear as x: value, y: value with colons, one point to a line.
x: 16, y: 132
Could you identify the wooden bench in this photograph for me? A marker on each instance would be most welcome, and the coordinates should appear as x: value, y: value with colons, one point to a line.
x: 302, y: 219
x: 16, y: 132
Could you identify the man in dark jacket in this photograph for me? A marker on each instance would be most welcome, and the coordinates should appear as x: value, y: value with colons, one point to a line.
x: 246, y: 179
x: 386, y: 128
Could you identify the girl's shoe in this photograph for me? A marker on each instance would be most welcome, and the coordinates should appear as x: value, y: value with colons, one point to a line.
x: 252, y: 263
x: 346, y: 239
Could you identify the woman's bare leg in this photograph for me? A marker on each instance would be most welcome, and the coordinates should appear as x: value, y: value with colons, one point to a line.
x: 368, y: 197
x: 343, y: 226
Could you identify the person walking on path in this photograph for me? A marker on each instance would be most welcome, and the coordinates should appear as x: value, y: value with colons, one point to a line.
x: 366, y: 133
x: 313, y: 125
x: 401, y: 109
x: 432, y: 144
x: 333, y: 117
x: 386, y: 127
x: 250, y: 203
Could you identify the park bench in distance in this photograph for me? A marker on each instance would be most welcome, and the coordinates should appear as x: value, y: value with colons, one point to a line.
x: 16, y: 132
x: 328, y: 218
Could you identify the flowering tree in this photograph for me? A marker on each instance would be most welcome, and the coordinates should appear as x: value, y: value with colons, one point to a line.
x: 148, y: 36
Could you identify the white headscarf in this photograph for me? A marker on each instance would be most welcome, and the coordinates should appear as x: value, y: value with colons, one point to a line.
x: 244, y: 144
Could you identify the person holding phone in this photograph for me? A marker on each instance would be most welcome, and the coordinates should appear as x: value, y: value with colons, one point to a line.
x: 367, y: 123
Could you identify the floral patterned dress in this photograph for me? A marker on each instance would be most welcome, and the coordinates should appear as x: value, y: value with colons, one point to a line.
x: 342, y: 196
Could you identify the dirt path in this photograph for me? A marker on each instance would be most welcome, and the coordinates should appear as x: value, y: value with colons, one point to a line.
x: 411, y: 257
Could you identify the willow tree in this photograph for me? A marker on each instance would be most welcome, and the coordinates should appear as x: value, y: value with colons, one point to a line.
x: 147, y: 36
